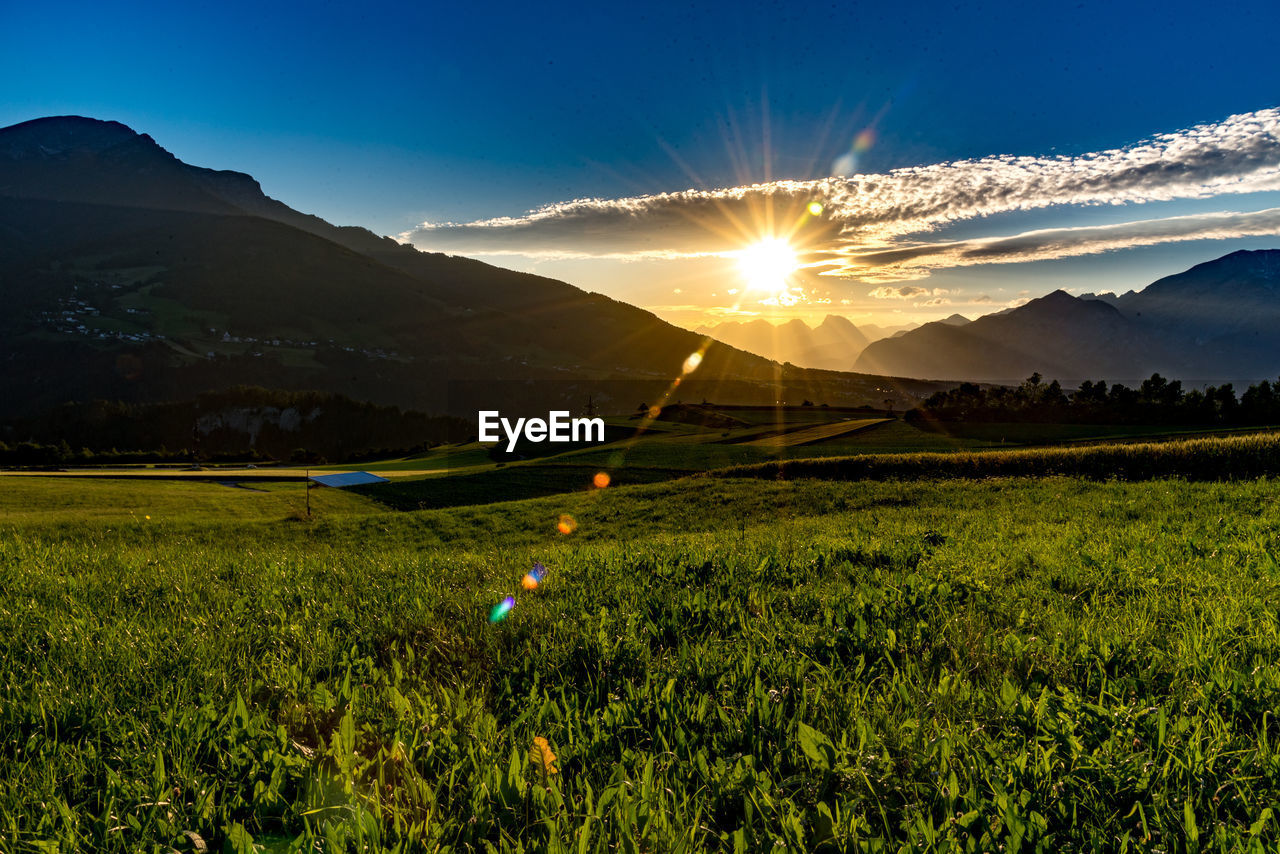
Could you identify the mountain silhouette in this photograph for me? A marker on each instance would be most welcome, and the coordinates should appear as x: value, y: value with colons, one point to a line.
x: 834, y: 344
x: 1216, y: 322
x: 129, y: 274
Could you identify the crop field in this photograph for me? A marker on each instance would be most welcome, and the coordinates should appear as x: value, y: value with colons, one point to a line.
x: 711, y: 663
x: 820, y: 433
x: 1032, y: 433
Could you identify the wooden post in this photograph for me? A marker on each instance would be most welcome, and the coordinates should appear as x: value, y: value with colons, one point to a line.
x: 307, y: 485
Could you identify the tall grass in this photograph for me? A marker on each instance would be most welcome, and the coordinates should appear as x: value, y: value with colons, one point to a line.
x: 1043, y: 665
x: 1212, y: 458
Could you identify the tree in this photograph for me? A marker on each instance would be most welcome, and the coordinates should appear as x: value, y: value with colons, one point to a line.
x: 1258, y: 405
x: 1224, y: 397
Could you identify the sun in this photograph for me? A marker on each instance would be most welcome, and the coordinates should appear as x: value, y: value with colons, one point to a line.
x: 766, y: 265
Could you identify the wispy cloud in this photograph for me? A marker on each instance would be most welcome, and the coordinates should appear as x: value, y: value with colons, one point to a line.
x: 912, y: 262
x: 865, y: 220
x: 903, y: 292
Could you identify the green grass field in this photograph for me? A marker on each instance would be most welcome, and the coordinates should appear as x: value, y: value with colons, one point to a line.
x: 1016, y: 664
x: 1031, y: 433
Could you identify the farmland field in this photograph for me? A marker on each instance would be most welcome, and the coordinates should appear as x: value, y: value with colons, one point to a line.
x: 820, y: 433
x: 1051, y: 664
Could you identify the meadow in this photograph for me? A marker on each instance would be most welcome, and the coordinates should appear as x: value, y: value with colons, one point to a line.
x: 715, y: 663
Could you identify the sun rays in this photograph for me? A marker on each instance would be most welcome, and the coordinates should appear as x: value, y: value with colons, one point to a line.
x: 768, y: 265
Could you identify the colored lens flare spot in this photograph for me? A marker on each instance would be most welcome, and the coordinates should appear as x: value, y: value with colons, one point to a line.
x: 567, y: 524
x: 601, y: 480
x: 534, y: 577
x: 655, y: 411
x: 691, y: 363
x: 501, y: 609
x: 815, y: 208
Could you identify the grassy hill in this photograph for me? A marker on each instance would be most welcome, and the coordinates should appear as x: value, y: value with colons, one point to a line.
x: 1046, y: 663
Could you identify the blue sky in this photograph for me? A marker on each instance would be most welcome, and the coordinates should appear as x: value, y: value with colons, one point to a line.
x: 478, y: 113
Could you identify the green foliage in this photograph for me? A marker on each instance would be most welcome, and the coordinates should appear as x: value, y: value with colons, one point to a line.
x: 246, y: 422
x: 1212, y: 458
x: 1156, y: 401
x: 715, y: 664
x: 508, y: 484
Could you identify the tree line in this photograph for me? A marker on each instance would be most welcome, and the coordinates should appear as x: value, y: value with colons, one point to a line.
x: 1156, y: 401
x: 245, y: 424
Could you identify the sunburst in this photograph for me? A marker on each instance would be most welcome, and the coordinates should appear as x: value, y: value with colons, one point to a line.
x: 768, y: 264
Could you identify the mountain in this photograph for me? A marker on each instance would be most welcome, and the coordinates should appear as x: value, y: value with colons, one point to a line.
x: 834, y: 344
x: 128, y: 274
x: 1228, y: 308
x: 1216, y: 322
x: 1057, y: 335
x: 875, y: 333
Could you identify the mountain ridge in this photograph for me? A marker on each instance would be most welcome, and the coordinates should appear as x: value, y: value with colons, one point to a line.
x: 1216, y: 321
x: 834, y: 344
x: 131, y: 275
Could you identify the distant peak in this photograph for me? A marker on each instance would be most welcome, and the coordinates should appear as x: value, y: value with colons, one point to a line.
x: 61, y: 134
x: 1060, y: 304
x: 84, y: 122
x: 836, y: 320
x: 1262, y: 262
x: 1053, y: 299
x: 1250, y: 253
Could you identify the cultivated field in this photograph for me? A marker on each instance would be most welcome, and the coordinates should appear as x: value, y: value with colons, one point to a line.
x: 739, y: 664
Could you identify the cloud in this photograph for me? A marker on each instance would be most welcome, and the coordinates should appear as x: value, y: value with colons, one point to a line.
x: 937, y: 301
x: 915, y: 261
x: 865, y: 218
x: 904, y: 292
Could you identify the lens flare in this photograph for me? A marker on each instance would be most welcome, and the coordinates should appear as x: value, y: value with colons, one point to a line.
x: 767, y: 264
x: 567, y: 525
x: 601, y: 480
x: 533, y: 577
x: 655, y: 411
x: 691, y: 363
x: 815, y: 209
x: 847, y: 163
x: 501, y: 609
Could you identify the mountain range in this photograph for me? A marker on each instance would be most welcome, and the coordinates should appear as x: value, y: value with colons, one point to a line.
x: 129, y: 275
x: 1217, y: 322
x: 833, y: 345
